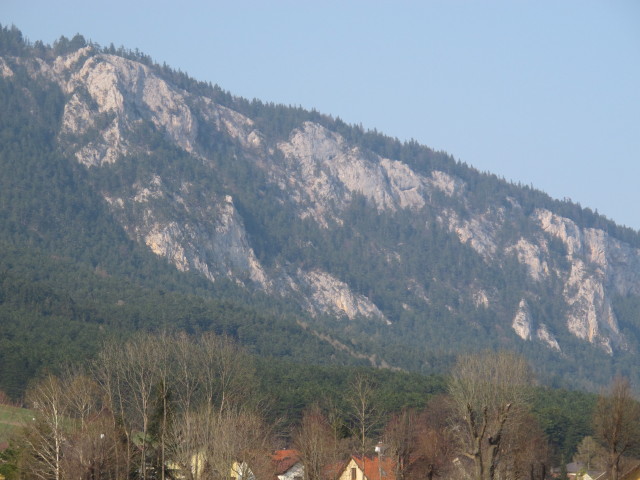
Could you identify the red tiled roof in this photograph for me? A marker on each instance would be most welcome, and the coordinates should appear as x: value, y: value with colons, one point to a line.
x: 373, y: 467
x: 284, y: 460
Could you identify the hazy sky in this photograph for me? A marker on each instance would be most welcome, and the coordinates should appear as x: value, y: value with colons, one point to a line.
x: 541, y: 92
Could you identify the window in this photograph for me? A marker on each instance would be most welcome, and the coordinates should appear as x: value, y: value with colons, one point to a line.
x: 353, y: 473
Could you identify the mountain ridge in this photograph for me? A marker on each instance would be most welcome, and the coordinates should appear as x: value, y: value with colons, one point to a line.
x: 368, y: 237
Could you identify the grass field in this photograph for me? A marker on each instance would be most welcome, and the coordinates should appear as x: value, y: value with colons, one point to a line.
x: 11, y: 419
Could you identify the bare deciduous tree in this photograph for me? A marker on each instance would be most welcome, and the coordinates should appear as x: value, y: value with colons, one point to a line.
x: 488, y: 390
x: 240, y: 444
x: 155, y: 398
x: 212, y: 378
x: 189, y: 438
x: 435, y: 445
x: 72, y: 435
x: 6, y: 400
x: 335, y: 420
x: 46, y: 436
x: 130, y: 374
x: 227, y: 371
x: 315, y: 441
x: 401, y: 441
x: 187, y: 375
x: 363, y: 410
x: 82, y: 395
x: 161, y: 351
x: 524, y: 450
x: 108, y: 373
x: 617, y: 423
x: 89, y: 453
x: 186, y: 435
x: 140, y: 375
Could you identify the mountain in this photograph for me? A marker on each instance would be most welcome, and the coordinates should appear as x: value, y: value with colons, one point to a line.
x: 378, y: 250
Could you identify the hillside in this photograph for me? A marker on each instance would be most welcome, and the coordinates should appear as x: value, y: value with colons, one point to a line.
x: 11, y: 419
x: 133, y: 196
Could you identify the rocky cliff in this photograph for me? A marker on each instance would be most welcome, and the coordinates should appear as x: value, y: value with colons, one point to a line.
x: 192, y: 209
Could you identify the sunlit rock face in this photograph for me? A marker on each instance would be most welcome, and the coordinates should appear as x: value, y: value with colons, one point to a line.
x: 322, y: 172
x: 329, y: 293
x: 524, y: 326
x: 115, y: 105
x: 109, y: 97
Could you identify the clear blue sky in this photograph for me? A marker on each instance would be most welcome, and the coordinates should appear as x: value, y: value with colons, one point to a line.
x: 542, y: 92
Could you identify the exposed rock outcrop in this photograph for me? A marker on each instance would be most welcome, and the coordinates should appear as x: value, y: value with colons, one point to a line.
x: 5, y: 70
x: 593, y: 278
x: 110, y: 100
x: 524, y: 326
x: 478, y: 232
x: 322, y: 169
x: 532, y: 255
x: 522, y: 321
x: 329, y: 291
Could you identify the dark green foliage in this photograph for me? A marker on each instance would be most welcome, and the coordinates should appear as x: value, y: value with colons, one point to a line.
x: 627, y: 309
x: 291, y: 387
x: 70, y: 276
x: 9, y: 461
x: 64, y: 46
x: 11, y: 41
x: 54, y: 312
x: 565, y: 417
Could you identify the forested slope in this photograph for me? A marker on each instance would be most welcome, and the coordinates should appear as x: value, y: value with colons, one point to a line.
x: 134, y: 197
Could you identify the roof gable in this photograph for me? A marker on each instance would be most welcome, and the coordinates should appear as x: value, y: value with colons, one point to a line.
x: 376, y: 468
x: 284, y: 460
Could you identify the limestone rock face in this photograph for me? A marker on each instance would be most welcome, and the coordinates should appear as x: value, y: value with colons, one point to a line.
x: 327, y: 290
x: 446, y: 183
x: 114, y: 96
x: 116, y: 107
x: 478, y: 231
x: 213, y: 242
x: 322, y: 172
x: 5, y: 70
x: 596, y: 269
x: 600, y: 267
x: 545, y: 336
x: 524, y: 326
x: 522, y: 321
x: 532, y: 255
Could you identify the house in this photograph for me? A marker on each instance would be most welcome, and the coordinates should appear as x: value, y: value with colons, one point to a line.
x: 198, y: 465
x: 241, y: 471
x: 288, y: 465
x: 593, y: 476
x: 369, y: 468
x: 578, y: 471
x: 574, y: 468
x: 633, y: 474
